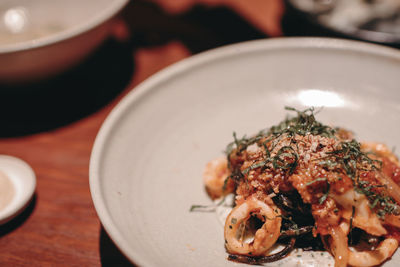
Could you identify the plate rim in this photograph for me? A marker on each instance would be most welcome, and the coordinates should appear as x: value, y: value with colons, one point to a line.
x: 177, y: 68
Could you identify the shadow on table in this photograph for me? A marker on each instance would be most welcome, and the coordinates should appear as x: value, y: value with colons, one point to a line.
x: 199, y: 29
x: 19, y: 220
x: 296, y: 24
x: 110, y: 255
x: 93, y: 84
x: 28, y: 109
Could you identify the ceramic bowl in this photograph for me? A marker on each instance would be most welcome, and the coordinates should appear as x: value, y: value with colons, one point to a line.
x: 42, y: 38
x: 148, y: 158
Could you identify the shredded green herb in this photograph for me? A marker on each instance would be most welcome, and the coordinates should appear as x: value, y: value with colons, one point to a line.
x: 385, y: 204
x: 255, y: 166
x: 286, y: 158
x: 302, y: 124
x: 350, y: 157
x: 206, y: 208
x: 323, y: 198
x: 346, y: 159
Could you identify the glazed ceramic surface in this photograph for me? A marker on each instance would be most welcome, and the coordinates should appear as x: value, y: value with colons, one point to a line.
x: 147, y: 162
x: 44, y: 37
x: 17, y: 186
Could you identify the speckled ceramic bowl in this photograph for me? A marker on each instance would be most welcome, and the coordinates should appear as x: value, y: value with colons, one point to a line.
x: 147, y: 162
x: 44, y: 37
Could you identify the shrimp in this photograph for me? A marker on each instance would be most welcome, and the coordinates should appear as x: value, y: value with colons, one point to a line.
x: 264, y: 237
x: 214, y: 176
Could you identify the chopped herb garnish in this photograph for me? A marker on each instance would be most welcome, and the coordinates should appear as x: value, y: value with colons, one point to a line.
x: 286, y: 159
x: 349, y: 156
x: 255, y: 166
x: 304, y: 123
x: 206, y: 208
x: 346, y: 158
x: 336, y: 210
x: 202, y: 208
x: 323, y: 198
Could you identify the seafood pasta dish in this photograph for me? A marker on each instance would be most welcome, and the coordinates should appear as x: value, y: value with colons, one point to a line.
x: 303, y: 184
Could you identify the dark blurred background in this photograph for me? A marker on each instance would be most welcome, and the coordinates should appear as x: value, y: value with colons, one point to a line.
x: 31, y: 108
x: 198, y: 25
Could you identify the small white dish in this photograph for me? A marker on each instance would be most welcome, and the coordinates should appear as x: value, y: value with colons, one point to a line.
x: 147, y: 162
x: 18, y: 183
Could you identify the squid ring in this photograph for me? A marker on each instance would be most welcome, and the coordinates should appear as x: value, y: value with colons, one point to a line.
x: 363, y: 258
x: 214, y: 176
x: 264, y: 237
x: 371, y: 258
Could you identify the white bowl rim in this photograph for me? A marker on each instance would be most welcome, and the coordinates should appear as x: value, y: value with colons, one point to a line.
x: 175, y: 69
x: 87, y: 25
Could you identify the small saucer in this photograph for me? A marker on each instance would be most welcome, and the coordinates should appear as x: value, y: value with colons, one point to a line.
x: 17, y: 185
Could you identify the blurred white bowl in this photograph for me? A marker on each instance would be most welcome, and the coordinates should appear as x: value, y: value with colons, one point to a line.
x: 42, y: 38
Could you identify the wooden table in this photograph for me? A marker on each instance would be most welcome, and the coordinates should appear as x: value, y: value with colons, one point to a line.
x: 52, y: 125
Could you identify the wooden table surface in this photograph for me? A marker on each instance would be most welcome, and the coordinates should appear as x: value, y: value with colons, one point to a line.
x: 52, y: 125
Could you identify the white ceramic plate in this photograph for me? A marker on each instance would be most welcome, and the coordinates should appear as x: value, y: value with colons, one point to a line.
x: 147, y: 161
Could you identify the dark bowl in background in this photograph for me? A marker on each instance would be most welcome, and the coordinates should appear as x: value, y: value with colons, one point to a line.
x: 307, y: 24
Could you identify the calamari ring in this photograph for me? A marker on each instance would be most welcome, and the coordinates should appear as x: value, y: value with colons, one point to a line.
x: 264, y: 237
x: 363, y: 218
x: 214, y: 176
x: 359, y: 258
x: 375, y: 257
x: 339, y: 247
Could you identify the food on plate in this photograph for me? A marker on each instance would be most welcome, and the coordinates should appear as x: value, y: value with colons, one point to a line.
x: 305, y: 184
